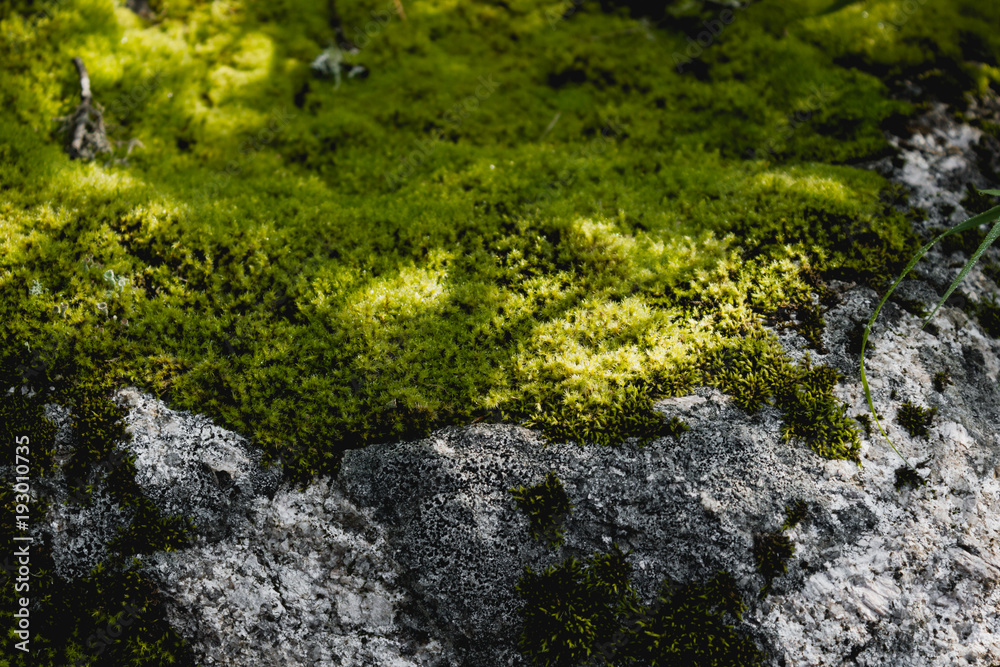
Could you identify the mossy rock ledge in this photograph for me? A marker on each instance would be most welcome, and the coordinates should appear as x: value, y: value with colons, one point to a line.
x: 516, y: 333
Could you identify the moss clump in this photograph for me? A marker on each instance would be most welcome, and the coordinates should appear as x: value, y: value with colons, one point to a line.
x: 688, y: 626
x: 755, y: 371
x: 911, y: 306
x: 771, y: 551
x: 941, y: 380
x: 866, y: 424
x: 546, y: 505
x: 811, y: 325
x: 988, y: 314
x: 794, y: 514
x: 908, y: 477
x: 914, y: 419
x: 675, y: 427
x: 588, y: 614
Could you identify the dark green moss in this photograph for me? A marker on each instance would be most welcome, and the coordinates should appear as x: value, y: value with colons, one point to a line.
x: 546, y: 505
x: 771, y: 551
x: 976, y: 202
x: 988, y: 314
x: 755, y: 371
x: 941, y: 380
x: 794, y: 514
x: 588, y: 614
x: 689, y: 626
x: 811, y: 326
x: 911, y: 306
x: 908, y: 477
x: 675, y: 427
x: 914, y: 419
x: 866, y: 424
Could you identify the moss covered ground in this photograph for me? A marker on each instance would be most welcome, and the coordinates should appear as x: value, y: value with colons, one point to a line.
x: 545, y: 212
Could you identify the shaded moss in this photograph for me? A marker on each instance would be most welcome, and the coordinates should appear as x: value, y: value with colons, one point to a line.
x: 546, y: 505
x: 941, y: 380
x: 988, y: 313
x: 914, y: 419
x: 771, y: 551
x: 588, y: 614
x: 907, y: 476
x: 794, y: 514
x: 675, y: 427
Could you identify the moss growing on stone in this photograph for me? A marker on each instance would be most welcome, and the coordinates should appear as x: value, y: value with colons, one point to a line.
x: 794, y: 514
x: 866, y: 424
x: 588, y: 614
x: 689, y: 626
x: 547, y: 506
x: 771, y: 551
x: 908, y: 477
x: 675, y: 427
x: 941, y: 380
x: 915, y: 419
x: 755, y: 371
x: 988, y: 314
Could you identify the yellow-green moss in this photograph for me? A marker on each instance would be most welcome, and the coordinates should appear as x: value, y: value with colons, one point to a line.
x: 524, y: 212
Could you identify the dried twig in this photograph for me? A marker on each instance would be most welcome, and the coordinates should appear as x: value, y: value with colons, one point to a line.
x: 85, y: 125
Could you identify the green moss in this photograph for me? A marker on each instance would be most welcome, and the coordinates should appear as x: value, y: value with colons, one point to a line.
x: 866, y: 424
x: 988, y: 314
x: 771, y: 551
x: 941, y: 380
x: 588, y: 613
x: 675, y: 427
x: 556, y: 234
x: 794, y: 514
x: 914, y: 419
x: 755, y: 371
x: 546, y: 505
x: 906, y: 476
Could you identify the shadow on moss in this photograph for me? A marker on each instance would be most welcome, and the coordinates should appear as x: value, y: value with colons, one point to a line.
x: 587, y: 613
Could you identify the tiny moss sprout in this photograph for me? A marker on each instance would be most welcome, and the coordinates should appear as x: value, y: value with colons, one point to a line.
x: 675, y: 427
x: 771, y: 551
x: 794, y: 514
x: 915, y: 419
x: 546, y: 505
x: 941, y: 380
x: 908, y: 477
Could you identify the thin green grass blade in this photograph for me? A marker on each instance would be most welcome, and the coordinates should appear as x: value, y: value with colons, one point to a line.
x: 987, y: 242
x: 990, y: 216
